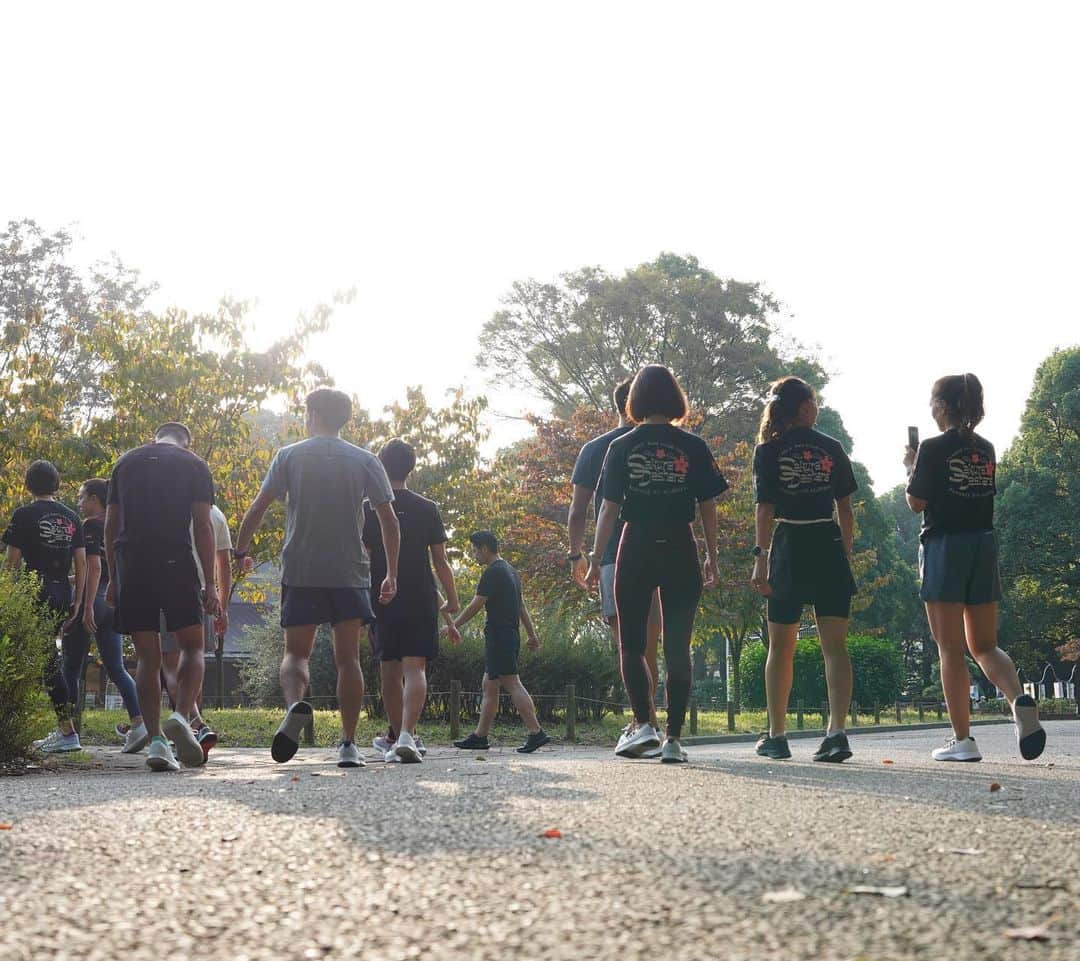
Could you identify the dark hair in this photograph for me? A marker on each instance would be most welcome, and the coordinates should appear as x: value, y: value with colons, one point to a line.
x: 174, y: 430
x: 485, y: 539
x: 398, y: 458
x: 786, y: 397
x: 96, y: 487
x: 42, y: 478
x: 332, y: 407
x: 655, y: 391
x: 620, y: 394
x: 962, y: 395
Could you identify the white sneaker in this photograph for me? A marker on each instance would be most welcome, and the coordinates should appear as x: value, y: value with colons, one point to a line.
x: 390, y: 757
x: 420, y: 746
x: 654, y: 752
x: 348, y: 755
x: 672, y: 752
x: 633, y: 745
x: 1029, y: 732
x: 382, y: 744
x: 159, y: 757
x: 177, y: 729
x: 135, y: 740
x: 955, y: 749
x: 57, y: 743
x: 406, y: 749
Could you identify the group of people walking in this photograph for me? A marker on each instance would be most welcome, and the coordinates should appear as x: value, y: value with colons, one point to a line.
x: 152, y: 558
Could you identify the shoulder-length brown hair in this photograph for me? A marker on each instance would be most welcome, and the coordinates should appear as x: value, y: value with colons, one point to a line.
x: 655, y: 391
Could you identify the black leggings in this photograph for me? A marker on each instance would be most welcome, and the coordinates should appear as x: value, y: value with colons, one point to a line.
x: 57, y: 595
x: 650, y: 559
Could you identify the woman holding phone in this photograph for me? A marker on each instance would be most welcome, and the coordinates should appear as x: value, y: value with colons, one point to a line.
x: 952, y: 483
x: 803, y: 482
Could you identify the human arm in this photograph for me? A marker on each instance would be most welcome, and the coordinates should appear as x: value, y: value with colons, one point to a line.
x: 253, y: 518
x: 764, y: 514
x: 112, y: 529
x: 445, y: 573
x: 79, y: 556
x: 223, y: 577
x: 845, y: 517
x: 204, y: 546
x: 391, y: 538
x: 707, y: 509
x: 575, y: 529
x: 12, y: 558
x: 471, y: 610
x: 93, y: 579
x: 605, y: 527
x: 530, y: 630
x: 451, y: 629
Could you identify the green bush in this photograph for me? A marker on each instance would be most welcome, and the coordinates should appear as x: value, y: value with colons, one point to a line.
x: 877, y: 662
x: 27, y: 641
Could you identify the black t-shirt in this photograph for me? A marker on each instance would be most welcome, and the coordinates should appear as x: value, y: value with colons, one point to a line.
x: 94, y: 536
x: 659, y: 473
x: 501, y: 586
x: 155, y: 486
x: 802, y: 474
x: 421, y: 527
x: 47, y: 532
x: 587, y: 471
x: 955, y: 475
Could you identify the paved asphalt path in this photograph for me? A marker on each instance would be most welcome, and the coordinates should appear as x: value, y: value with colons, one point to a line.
x: 246, y: 859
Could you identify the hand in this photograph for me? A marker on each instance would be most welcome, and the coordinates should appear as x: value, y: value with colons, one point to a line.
x: 453, y: 634
x: 388, y: 591
x: 211, y: 604
x: 592, y: 575
x: 759, y: 580
x: 448, y: 608
x: 89, y: 624
x: 578, y: 573
x: 69, y: 623
x: 909, y: 458
x: 110, y: 593
x: 221, y: 622
x: 709, y: 574
x: 247, y: 564
x: 534, y: 643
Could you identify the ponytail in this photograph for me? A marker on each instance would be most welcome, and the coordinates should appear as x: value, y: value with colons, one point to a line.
x: 962, y: 397
x: 786, y: 398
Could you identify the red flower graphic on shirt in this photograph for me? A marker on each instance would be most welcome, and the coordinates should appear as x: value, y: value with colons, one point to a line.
x: 660, y: 453
x: 989, y: 469
x: 827, y: 464
x: 807, y: 455
x: 682, y: 465
x: 974, y: 458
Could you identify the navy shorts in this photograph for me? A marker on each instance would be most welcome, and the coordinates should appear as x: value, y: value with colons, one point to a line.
x: 416, y: 636
x: 155, y: 588
x: 501, y: 649
x: 961, y: 568
x: 303, y: 606
x: 807, y: 565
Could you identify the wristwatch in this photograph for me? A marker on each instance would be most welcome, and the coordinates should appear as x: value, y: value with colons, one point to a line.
x: 239, y: 555
x: 759, y: 550
x: 574, y: 557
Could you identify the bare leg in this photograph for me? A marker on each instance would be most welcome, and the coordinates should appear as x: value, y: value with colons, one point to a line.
x: 191, y: 669
x: 295, y: 672
x: 652, y: 643
x: 980, y: 621
x: 489, y: 706
x: 350, y: 676
x: 415, y: 670
x: 779, y: 668
x: 838, y: 678
x: 392, y: 674
x: 522, y: 701
x: 947, y: 625
x: 148, y: 678
x: 170, y: 667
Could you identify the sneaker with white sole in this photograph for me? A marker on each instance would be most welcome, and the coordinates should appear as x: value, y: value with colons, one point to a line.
x: 420, y: 746
x: 957, y: 749
x: 177, y: 729
x: 655, y: 752
x: 390, y: 757
x: 287, y: 739
x: 1030, y: 735
x: 383, y: 743
x: 61, y: 743
x: 672, y: 752
x: 159, y: 757
x: 121, y: 729
x: 348, y: 755
x: 135, y: 740
x: 406, y: 749
x: 633, y: 745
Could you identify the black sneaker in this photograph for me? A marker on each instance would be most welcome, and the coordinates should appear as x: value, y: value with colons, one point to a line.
x: 774, y: 747
x: 473, y: 743
x: 834, y: 749
x: 533, y: 741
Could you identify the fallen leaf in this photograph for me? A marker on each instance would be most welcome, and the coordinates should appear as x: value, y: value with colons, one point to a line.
x: 5, y: 827
x: 995, y: 787
x: 552, y: 833
x: 295, y: 777
x: 1026, y: 934
x: 885, y: 892
x: 783, y: 896
x: 972, y: 851
x: 229, y: 837
x: 887, y: 761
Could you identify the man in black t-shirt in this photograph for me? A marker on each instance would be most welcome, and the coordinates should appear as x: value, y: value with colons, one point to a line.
x: 406, y: 631
x: 586, y: 481
x: 47, y: 537
x: 499, y: 592
x: 159, y: 494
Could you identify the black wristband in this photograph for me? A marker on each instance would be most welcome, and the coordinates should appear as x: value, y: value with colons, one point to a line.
x: 574, y: 557
x: 239, y: 555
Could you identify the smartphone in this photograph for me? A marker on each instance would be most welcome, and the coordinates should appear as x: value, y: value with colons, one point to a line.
x: 913, y: 438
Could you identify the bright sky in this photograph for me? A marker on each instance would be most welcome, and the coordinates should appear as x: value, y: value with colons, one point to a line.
x: 903, y: 177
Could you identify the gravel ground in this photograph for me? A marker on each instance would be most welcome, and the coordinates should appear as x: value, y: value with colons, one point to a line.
x: 245, y: 859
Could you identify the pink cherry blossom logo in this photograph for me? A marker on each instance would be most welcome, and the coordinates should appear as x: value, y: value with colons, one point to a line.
x: 974, y: 458
x: 682, y: 465
x: 807, y: 455
x: 660, y: 453
x: 827, y: 464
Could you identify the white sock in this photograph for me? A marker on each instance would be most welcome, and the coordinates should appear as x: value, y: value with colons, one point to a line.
x: 839, y: 730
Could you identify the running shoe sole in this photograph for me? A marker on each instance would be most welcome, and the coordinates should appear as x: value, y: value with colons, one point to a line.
x: 638, y: 749
x: 1029, y: 733
x: 208, y: 743
x: 137, y: 746
x: 287, y: 740
x: 958, y: 760
x: 833, y: 757
x: 407, y: 754
x: 528, y: 748
x: 179, y: 731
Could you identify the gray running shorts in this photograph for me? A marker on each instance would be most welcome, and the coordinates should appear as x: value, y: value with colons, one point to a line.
x: 960, y: 568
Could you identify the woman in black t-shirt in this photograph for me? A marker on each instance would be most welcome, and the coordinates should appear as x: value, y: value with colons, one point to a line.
x: 800, y: 476
x: 654, y: 479
x: 952, y: 482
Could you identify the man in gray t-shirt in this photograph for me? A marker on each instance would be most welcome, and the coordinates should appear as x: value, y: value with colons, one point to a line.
x: 326, y: 574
